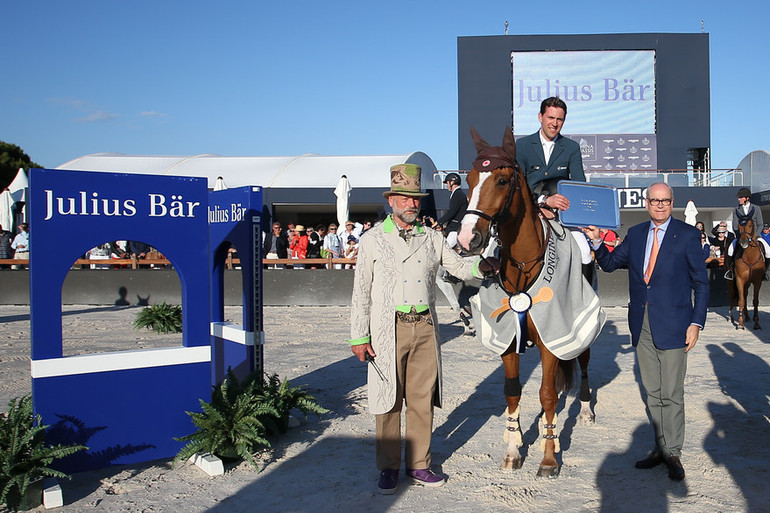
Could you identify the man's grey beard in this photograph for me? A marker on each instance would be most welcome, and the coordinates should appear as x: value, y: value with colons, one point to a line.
x: 407, y: 217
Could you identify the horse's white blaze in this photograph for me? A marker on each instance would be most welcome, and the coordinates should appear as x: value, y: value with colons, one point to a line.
x: 470, y: 220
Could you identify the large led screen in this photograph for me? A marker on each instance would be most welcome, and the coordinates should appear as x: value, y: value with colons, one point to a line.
x: 610, y: 97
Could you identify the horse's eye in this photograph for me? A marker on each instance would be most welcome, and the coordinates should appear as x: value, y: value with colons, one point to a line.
x: 502, y: 181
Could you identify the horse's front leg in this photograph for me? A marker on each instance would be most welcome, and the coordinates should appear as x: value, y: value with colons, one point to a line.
x: 742, y: 293
x: 586, y: 416
x: 756, y: 305
x: 512, y: 458
x: 549, y: 397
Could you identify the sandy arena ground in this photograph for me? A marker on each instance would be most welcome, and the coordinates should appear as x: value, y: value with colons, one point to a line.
x: 327, y: 464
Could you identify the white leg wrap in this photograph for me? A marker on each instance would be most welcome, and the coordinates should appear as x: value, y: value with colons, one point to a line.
x: 512, y: 427
x: 544, y: 427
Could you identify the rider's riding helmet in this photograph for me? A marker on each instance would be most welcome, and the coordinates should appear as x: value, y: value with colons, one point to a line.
x: 453, y: 177
x: 744, y: 193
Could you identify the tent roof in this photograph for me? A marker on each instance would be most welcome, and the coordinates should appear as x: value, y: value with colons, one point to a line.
x: 309, y: 170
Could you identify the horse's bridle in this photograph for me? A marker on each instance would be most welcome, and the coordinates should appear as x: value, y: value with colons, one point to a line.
x: 500, y: 216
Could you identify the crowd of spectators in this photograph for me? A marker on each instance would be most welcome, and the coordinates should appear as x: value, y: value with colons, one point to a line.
x: 298, y: 242
x: 16, y: 248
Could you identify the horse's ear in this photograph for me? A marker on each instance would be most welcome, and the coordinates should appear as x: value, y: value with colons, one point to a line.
x: 509, y: 144
x: 480, y: 143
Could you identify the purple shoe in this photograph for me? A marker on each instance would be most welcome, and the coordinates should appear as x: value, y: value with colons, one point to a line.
x: 388, y: 481
x: 425, y: 476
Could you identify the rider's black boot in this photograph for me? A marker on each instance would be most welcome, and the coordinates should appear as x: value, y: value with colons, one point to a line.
x: 729, y: 265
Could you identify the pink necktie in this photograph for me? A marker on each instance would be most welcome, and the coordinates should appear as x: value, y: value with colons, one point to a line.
x: 653, y: 255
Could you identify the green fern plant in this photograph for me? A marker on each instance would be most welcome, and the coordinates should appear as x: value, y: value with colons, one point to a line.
x: 242, y: 414
x: 162, y: 318
x: 232, y: 424
x: 24, y: 455
x: 283, y: 397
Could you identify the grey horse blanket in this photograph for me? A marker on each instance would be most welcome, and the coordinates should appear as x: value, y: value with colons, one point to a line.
x: 565, y: 309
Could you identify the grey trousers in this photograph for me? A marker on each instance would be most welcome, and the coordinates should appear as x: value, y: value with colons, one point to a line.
x: 663, y: 372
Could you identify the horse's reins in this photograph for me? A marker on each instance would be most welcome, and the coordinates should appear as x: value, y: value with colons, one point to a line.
x: 500, y: 216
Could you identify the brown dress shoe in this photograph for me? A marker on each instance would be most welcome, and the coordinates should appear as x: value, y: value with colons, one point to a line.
x: 652, y: 460
x: 675, y: 469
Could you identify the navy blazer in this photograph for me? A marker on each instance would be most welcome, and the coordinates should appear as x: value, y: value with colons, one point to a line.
x: 566, y: 162
x: 679, y: 271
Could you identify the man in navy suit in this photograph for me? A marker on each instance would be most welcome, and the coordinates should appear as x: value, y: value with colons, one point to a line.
x: 546, y: 157
x: 662, y: 317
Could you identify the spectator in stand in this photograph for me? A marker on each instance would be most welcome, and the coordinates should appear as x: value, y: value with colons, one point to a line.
x: 291, y: 227
x: 321, y: 231
x: 367, y: 225
x: 6, y: 252
x: 610, y: 238
x: 298, y: 245
x: 20, y: 245
x: 350, y: 229
x: 138, y: 249
x: 314, y: 245
x: 766, y: 233
x: 333, y: 245
x: 275, y: 245
x: 351, y: 252
x: 719, y: 244
x: 728, y: 237
x: 100, y: 252
x: 709, y: 252
x: 700, y: 227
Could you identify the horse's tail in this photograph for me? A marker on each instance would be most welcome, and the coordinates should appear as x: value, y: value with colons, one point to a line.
x: 566, y: 375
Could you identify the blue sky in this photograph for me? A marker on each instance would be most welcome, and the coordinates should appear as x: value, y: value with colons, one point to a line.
x: 334, y: 78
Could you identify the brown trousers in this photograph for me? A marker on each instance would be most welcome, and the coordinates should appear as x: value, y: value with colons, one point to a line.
x: 417, y: 375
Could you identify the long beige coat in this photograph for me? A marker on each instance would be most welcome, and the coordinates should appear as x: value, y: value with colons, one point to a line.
x: 389, y: 270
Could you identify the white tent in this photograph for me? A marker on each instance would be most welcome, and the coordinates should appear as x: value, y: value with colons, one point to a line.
x: 307, y: 171
x: 18, y: 190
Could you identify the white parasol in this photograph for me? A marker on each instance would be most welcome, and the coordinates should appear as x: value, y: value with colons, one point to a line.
x: 343, y: 200
x: 690, y: 212
x: 220, y: 184
x: 6, y: 210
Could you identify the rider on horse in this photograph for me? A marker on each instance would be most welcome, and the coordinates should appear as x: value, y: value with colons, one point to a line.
x: 744, y: 212
x: 547, y: 157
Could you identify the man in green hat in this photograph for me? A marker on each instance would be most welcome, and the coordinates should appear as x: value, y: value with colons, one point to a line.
x: 393, y: 320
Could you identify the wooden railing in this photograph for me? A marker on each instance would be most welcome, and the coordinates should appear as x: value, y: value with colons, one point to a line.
x: 231, y: 263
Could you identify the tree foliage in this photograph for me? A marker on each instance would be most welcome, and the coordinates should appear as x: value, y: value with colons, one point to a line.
x: 12, y: 158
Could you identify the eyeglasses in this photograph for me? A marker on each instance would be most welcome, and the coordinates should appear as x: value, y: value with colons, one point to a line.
x: 332, y: 229
x: 655, y: 201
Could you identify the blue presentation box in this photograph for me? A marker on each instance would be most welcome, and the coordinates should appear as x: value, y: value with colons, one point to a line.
x: 590, y: 205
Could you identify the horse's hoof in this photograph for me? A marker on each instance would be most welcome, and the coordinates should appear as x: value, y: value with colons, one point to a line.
x: 587, y: 419
x: 511, y: 463
x: 548, y: 471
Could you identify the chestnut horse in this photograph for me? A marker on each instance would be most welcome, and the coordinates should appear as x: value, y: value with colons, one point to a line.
x: 501, y: 202
x: 749, y: 270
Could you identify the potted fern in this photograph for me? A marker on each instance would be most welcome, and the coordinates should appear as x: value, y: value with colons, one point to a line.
x: 25, y: 458
x: 162, y: 318
x: 284, y: 398
x: 241, y: 414
x: 231, y: 426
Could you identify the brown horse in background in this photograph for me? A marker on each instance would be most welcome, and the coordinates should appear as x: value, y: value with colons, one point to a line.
x: 501, y: 202
x: 749, y: 270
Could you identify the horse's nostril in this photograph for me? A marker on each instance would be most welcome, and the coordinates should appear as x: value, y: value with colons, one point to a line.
x: 476, y: 240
